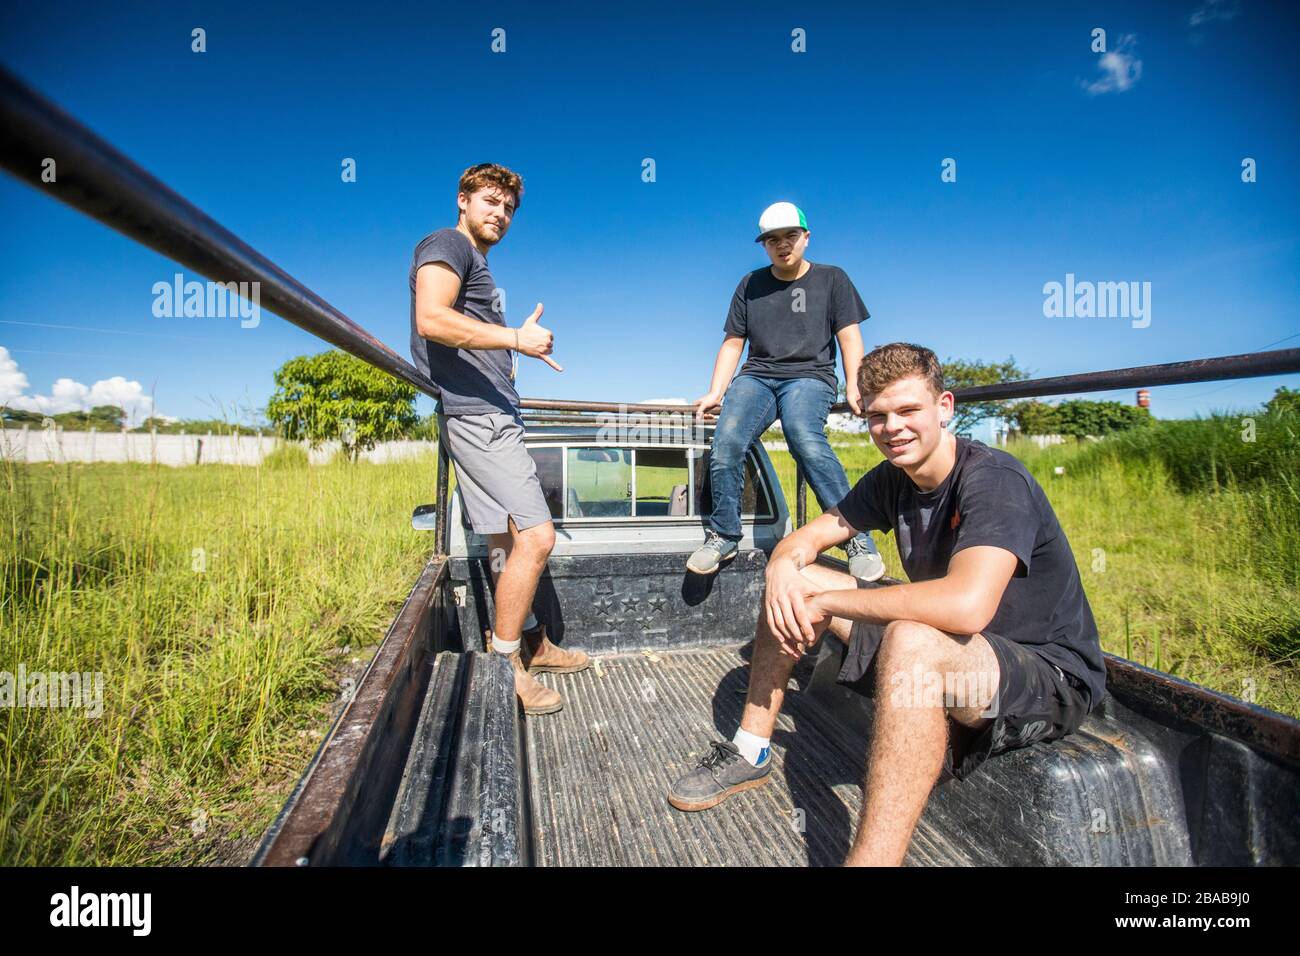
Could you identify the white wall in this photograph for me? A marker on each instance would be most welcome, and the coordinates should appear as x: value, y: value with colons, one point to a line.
x: 38, y: 444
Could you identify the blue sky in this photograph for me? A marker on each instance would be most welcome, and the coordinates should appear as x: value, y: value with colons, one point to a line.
x: 1122, y: 170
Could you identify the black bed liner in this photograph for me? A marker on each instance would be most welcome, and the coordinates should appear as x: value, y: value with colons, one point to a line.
x: 599, y: 772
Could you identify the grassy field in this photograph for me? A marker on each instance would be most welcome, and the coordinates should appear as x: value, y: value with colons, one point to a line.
x: 224, y: 607
x: 227, y: 607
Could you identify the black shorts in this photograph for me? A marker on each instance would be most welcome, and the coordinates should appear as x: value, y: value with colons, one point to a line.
x: 1034, y: 700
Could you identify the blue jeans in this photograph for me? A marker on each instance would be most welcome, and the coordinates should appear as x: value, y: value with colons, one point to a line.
x: 749, y: 408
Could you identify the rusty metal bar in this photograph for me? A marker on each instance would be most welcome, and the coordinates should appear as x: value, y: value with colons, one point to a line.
x: 576, y: 418
x: 97, y: 179
x: 442, y: 533
x: 92, y: 176
x: 1249, y: 365
x: 567, y: 405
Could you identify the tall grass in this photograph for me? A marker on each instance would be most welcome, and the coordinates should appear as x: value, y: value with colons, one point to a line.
x: 221, y: 605
x: 1188, y: 539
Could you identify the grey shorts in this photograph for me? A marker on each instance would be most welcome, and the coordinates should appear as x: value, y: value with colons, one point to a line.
x: 494, y: 472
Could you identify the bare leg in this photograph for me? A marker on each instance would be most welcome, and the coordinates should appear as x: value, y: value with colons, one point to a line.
x: 910, y: 733
x: 769, y: 672
x: 517, y: 560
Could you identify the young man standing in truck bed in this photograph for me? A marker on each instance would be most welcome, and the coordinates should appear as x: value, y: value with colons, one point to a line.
x: 792, y: 313
x: 460, y: 340
x: 995, y: 616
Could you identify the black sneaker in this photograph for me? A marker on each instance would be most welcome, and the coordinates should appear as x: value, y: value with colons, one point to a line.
x: 719, y: 774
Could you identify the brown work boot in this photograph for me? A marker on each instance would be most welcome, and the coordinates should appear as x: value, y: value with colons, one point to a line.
x: 536, y: 698
x: 539, y: 654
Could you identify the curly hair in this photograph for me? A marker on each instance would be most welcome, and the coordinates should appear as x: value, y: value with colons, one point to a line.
x: 485, y: 175
x: 886, y: 364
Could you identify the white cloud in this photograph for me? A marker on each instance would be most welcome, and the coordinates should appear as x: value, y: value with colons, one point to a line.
x: 68, y: 395
x: 1213, y: 10
x: 12, y: 382
x: 1120, y: 68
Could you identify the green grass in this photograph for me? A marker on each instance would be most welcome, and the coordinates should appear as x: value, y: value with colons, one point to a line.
x: 222, y: 605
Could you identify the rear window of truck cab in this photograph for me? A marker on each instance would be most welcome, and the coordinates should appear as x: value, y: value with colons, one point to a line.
x: 610, y: 482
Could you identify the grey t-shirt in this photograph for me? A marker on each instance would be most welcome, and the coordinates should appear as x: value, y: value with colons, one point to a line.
x: 791, y: 325
x: 990, y: 499
x: 473, y: 381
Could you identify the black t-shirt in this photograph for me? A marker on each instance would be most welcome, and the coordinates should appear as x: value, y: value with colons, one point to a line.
x: 990, y: 499
x: 791, y: 326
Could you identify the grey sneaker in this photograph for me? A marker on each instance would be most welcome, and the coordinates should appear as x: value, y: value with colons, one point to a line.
x: 865, y: 561
x: 719, y: 774
x: 709, y: 556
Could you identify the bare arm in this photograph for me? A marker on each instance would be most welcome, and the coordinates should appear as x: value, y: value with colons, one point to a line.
x: 851, y: 351
x: 963, y: 601
x: 724, y: 367
x: 436, y: 288
x: 786, y: 590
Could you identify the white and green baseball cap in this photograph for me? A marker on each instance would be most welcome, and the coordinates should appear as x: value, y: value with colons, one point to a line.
x: 781, y: 215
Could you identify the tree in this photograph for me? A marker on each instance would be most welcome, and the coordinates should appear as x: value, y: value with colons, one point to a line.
x: 1284, y: 401
x: 199, y: 426
x: 335, y: 396
x: 101, y: 416
x: 19, y: 416
x: 1078, y: 417
x: 1035, y: 418
x: 107, y: 416
x: 426, y: 429
x: 958, y: 373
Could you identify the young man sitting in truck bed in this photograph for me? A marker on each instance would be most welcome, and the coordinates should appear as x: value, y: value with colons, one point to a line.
x: 995, y: 615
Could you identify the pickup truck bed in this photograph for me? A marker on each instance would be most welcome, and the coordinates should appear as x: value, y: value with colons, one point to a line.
x: 627, y: 733
x: 599, y: 771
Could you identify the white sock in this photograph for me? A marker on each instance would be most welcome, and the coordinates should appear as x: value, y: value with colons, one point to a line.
x: 530, y: 622
x: 757, y: 750
x: 504, y: 647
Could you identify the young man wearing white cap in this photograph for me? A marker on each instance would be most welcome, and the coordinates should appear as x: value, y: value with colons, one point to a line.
x: 792, y: 313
